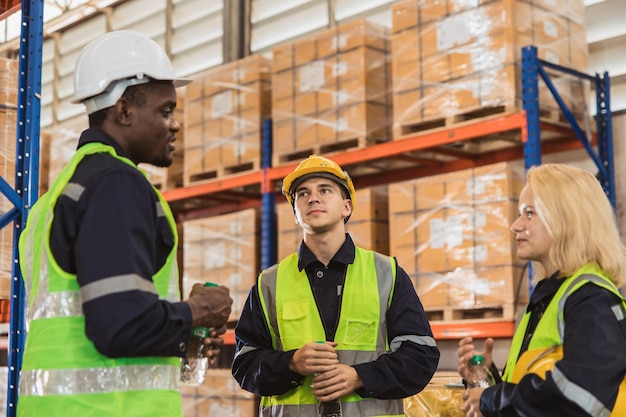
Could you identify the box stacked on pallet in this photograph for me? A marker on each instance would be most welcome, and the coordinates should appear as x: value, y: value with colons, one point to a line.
x: 456, y: 60
x: 331, y: 91
x: 225, y: 109
x: 225, y: 250
x: 368, y: 226
x: 8, y: 125
x: 451, y: 233
x: 218, y: 396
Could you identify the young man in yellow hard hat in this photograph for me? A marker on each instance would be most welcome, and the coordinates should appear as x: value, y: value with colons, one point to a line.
x: 333, y: 325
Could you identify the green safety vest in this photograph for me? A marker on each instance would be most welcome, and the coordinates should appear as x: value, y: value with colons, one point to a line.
x: 293, y: 319
x: 62, y: 372
x: 549, y: 334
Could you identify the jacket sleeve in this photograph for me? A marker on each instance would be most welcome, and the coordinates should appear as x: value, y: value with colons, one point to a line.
x: 414, y: 356
x: 594, y: 360
x: 115, y: 236
x: 257, y: 367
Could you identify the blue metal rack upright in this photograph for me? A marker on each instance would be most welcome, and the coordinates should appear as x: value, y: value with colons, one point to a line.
x: 532, y: 69
x: 26, y: 177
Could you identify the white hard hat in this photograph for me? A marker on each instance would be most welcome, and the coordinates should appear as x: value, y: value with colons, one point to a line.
x: 114, y: 61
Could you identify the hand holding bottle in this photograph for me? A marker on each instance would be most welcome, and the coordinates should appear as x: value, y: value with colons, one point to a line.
x: 467, y: 350
x: 204, y: 342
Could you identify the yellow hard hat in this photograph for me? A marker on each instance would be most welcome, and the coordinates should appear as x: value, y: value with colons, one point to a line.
x: 317, y: 166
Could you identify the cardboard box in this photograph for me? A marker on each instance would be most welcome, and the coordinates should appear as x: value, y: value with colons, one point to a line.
x: 225, y: 250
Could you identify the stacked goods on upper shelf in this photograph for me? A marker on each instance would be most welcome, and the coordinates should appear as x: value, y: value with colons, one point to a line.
x: 225, y: 250
x: 59, y: 143
x: 454, y: 60
x: 331, y: 91
x: 224, y: 113
x: 219, y: 395
x: 368, y: 226
x: 451, y: 233
x: 8, y: 124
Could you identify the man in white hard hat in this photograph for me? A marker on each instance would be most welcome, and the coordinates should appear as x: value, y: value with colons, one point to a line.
x: 333, y: 329
x: 98, y: 255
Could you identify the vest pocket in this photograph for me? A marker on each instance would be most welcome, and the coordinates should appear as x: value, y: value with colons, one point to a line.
x: 360, y: 333
x: 296, y: 326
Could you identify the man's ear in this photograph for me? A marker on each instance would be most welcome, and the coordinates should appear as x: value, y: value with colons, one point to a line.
x: 123, y: 112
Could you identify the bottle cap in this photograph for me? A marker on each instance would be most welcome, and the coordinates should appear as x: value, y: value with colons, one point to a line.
x: 211, y: 284
x: 477, y: 360
x: 201, y: 332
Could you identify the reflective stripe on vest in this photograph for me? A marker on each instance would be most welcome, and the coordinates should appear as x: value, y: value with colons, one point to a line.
x: 59, y: 361
x: 292, y: 316
x: 550, y: 331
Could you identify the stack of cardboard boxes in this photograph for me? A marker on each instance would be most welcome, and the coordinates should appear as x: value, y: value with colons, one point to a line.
x: 226, y: 107
x: 459, y: 59
x: 331, y: 91
x: 451, y: 234
x: 8, y: 124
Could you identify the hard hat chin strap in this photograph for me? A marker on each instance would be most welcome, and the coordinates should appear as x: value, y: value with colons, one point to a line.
x: 113, y: 93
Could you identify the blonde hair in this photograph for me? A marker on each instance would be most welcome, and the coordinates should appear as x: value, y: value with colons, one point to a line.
x: 580, y: 219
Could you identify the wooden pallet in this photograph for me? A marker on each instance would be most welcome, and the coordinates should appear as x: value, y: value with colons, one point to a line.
x: 409, y: 128
x: 325, y: 149
x: 451, y: 313
x: 220, y: 171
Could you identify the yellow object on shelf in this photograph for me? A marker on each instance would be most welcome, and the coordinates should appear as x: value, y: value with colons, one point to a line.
x: 442, y: 397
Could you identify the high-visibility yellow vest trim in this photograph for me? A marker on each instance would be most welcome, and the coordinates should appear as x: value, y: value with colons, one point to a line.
x: 545, y: 347
x: 291, y: 313
x: 62, y: 372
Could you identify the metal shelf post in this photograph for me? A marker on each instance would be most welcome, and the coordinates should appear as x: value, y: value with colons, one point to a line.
x: 268, y: 200
x: 532, y: 69
x: 26, y: 177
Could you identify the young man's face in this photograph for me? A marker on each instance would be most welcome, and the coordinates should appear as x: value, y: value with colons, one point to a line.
x: 154, y: 127
x: 320, y: 205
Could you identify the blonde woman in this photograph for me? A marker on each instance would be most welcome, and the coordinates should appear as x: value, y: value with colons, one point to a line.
x: 568, y: 354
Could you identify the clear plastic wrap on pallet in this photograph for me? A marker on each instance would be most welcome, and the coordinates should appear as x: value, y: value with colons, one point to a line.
x: 368, y: 226
x: 451, y: 233
x: 225, y: 109
x: 219, y: 395
x: 61, y: 141
x: 331, y: 91
x: 223, y: 249
x: 8, y: 124
x: 459, y: 60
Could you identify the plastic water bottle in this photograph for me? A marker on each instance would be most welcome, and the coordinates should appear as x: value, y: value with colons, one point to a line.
x: 195, y: 365
x: 479, y: 376
x: 328, y: 408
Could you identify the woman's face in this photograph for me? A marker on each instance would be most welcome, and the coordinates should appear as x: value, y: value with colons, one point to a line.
x: 532, y: 236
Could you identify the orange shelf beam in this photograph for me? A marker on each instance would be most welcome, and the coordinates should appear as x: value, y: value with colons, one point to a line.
x: 214, y: 186
x: 422, y: 141
x: 453, y: 330
x: 475, y: 329
x: 8, y: 7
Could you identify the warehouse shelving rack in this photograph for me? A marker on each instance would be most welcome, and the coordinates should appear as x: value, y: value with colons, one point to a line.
x: 522, y: 134
x: 465, y: 145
